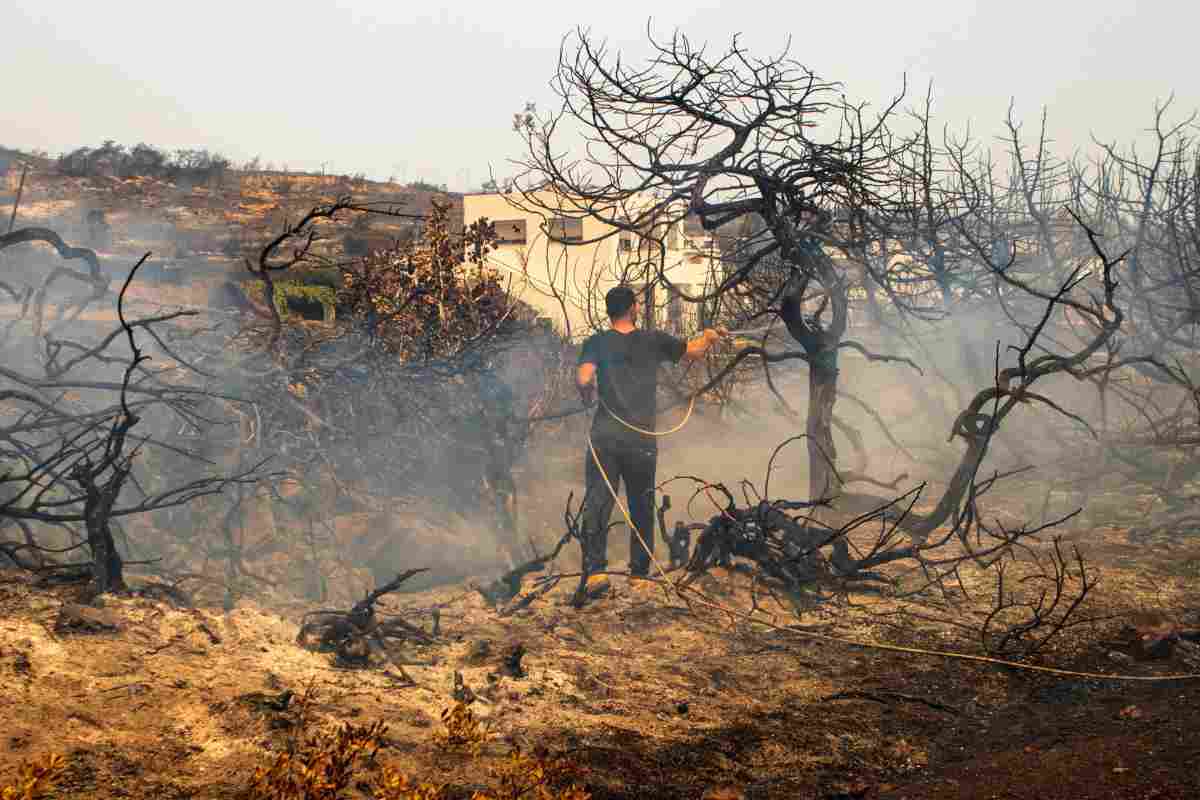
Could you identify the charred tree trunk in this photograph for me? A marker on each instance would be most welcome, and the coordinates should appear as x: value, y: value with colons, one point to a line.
x: 823, y: 480
x: 100, y: 496
x: 820, y: 340
x: 107, y: 566
x: 504, y: 440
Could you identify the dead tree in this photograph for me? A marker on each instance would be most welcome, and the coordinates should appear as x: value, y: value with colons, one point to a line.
x: 1149, y: 203
x: 793, y: 554
x: 67, y: 436
x: 724, y: 139
x: 828, y: 201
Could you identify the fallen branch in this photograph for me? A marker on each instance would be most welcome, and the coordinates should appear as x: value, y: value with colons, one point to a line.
x: 352, y: 634
x: 886, y: 697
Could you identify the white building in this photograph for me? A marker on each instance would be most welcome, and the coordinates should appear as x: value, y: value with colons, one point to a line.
x: 563, y: 265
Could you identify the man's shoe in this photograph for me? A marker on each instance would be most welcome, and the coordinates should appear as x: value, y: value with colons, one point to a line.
x: 598, y: 586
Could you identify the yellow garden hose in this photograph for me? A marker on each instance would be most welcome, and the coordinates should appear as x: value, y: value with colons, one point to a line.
x: 706, y: 600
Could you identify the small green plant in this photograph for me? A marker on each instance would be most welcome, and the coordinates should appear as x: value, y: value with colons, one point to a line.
x: 318, y: 292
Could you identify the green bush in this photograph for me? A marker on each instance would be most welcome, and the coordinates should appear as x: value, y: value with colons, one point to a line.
x: 331, y: 277
x: 310, y: 292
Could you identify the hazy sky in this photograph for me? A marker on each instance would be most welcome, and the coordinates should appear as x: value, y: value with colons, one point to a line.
x: 423, y: 90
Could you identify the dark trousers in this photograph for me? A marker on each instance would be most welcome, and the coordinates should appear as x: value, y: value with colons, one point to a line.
x: 636, y: 466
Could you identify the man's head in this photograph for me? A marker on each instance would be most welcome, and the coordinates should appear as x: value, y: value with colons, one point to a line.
x: 620, y: 302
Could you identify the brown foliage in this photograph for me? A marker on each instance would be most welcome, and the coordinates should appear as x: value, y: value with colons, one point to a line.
x: 36, y: 779
x: 432, y: 297
x: 321, y: 768
x: 324, y: 764
x: 533, y: 777
x: 462, y: 731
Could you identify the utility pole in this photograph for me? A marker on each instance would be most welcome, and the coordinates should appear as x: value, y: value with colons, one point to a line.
x: 12, y: 220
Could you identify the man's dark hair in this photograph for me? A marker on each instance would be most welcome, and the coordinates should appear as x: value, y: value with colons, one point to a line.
x: 619, y: 300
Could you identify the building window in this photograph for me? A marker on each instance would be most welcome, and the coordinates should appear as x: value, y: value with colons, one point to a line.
x: 562, y: 229
x: 510, y: 231
x: 625, y: 242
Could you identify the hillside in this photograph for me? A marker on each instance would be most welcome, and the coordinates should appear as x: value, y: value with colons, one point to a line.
x: 197, y: 234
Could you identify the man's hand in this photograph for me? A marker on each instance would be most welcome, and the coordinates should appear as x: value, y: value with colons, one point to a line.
x: 585, y: 382
x: 714, y: 335
x: 700, y: 345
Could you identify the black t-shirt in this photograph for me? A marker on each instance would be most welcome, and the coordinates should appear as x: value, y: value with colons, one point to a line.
x: 627, y: 379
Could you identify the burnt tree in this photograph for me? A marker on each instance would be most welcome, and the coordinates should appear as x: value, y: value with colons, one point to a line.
x: 831, y: 202
x: 68, y: 443
x: 725, y: 138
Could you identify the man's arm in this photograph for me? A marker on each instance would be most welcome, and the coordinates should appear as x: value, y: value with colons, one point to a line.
x: 585, y: 382
x: 696, y: 348
x: 585, y: 373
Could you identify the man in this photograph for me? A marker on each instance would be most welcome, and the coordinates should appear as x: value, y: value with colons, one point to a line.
x: 622, y: 363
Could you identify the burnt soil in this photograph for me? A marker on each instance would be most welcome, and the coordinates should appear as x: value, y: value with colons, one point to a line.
x: 147, y: 698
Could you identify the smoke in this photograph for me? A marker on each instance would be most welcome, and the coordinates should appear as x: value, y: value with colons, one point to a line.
x: 400, y: 522
x: 373, y: 505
